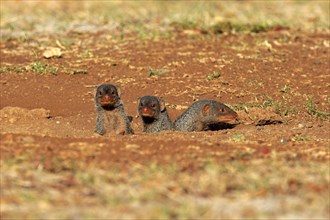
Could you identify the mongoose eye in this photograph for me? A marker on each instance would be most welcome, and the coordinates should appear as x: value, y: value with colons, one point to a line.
x: 112, y: 92
x: 153, y: 105
x: 100, y: 92
x: 222, y: 110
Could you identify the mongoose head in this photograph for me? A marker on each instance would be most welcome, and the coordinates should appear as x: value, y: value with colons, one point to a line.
x: 150, y: 106
x: 107, y: 96
x: 218, y: 111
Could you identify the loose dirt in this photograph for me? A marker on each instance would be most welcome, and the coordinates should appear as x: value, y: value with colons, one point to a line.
x: 264, y: 79
x: 267, y: 77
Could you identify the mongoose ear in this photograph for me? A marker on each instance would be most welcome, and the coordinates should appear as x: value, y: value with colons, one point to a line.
x: 138, y: 100
x: 118, y: 91
x: 206, y: 109
x: 162, y: 104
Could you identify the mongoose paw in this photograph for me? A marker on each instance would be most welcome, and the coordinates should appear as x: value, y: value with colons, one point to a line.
x: 100, y: 132
x: 119, y: 132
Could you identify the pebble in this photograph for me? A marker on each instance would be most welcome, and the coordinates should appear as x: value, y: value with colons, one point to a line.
x: 305, y: 125
x: 132, y: 146
x: 12, y: 120
x: 283, y: 141
x: 259, y: 128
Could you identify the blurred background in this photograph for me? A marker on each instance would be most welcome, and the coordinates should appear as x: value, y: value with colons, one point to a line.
x: 23, y: 18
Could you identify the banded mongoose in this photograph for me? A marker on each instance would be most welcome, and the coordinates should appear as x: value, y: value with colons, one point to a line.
x: 111, y: 115
x: 203, y: 113
x: 153, y: 114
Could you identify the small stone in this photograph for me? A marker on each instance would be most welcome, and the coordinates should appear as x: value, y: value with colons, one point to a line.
x: 309, y: 125
x: 283, y: 141
x: 132, y: 146
x: 12, y: 120
x: 52, y: 52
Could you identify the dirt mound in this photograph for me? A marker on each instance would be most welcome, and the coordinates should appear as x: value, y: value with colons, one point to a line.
x: 13, y: 114
x: 260, y: 117
x: 39, y: 122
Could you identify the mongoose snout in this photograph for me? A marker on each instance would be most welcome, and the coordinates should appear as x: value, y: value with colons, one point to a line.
x: 107, y: 95
x: 224, y: 113
x: 149, y: 107
x: 153, y: 114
